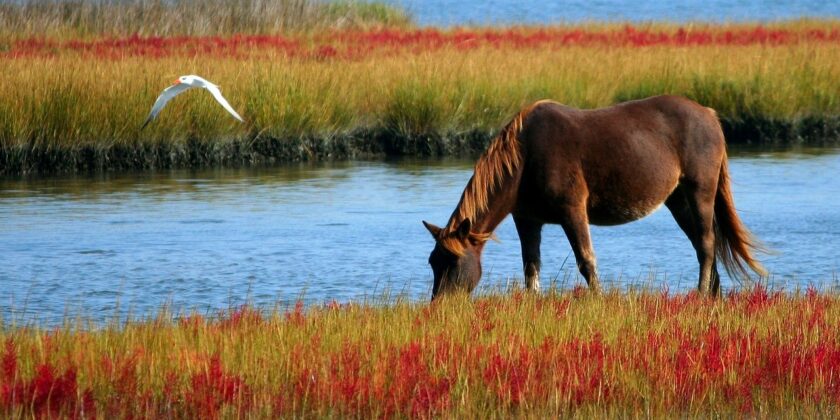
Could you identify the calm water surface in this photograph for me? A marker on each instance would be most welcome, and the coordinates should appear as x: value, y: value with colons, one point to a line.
x: 489, y: 12
x: 207, y: 240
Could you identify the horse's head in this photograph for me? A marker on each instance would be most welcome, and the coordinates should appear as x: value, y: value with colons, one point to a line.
x: 456, y: 258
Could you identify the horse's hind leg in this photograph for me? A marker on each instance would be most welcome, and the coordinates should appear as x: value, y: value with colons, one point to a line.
x: 694, y: 215
x: 576, y: 226
x: 530, y: 234
x: 715, y: 279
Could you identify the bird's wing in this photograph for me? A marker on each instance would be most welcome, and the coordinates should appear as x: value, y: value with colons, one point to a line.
x: 221, y: 99
x: 165, y: 96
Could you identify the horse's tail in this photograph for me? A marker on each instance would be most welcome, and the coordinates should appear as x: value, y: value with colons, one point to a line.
x: 734, y: 244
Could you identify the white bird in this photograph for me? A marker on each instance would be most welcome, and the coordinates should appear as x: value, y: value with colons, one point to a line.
x: 182, y: 84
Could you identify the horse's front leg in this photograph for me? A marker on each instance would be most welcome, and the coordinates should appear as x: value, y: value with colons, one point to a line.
x: 576, y: 226
x: 530, y: 234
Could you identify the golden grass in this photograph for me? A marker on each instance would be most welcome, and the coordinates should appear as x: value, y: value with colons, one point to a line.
x: 64, y: 107
x: 65, y: 101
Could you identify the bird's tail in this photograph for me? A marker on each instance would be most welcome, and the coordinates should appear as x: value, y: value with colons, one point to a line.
x: 148, y: 120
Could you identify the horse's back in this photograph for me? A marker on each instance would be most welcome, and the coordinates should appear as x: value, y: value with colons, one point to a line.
x: 623, y: 160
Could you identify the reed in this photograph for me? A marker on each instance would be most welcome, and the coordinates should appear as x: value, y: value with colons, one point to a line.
x: 87, y: 18
x: 752, y: 353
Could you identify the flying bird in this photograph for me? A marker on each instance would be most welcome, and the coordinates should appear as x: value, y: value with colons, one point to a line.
x: 183, y: 83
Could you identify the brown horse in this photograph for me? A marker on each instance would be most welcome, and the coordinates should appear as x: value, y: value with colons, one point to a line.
x: 608, y: 166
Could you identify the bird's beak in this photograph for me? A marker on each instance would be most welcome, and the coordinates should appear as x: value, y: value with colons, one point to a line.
x: 177, y: 82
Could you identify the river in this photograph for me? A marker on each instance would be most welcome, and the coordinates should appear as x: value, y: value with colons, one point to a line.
x: 106, y: 245
x: 495, y: 12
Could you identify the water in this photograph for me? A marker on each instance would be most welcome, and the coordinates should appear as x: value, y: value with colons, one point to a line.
x: 99, y: 246
x: 452, y: 13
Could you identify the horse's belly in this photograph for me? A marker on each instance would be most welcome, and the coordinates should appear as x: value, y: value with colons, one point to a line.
x: 617, y: 206
x: 619, y: 213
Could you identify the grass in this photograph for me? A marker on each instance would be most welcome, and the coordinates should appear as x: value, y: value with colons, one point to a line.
x: 752, y: 353
x: 68, y: 104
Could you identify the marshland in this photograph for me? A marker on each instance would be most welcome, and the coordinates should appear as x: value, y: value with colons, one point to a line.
x: 202, y: 267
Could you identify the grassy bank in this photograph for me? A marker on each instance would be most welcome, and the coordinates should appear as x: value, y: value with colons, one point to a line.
x: 751, y: 353
x: 69, y: 105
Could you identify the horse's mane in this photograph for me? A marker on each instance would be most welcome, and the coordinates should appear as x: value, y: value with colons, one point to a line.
x: 501, y: 159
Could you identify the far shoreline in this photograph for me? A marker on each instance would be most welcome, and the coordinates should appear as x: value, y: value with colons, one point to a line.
x: 365, y: 143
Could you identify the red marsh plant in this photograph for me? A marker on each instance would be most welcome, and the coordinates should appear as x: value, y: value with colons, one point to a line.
x: 754, y: 352
x: 354, y: 44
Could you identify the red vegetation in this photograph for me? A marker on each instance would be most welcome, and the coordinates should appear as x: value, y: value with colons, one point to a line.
x: 674, y: 367
x: 210, y: 390
x: 360, y: 44
x: 240, y: 318
x: 46, y: 394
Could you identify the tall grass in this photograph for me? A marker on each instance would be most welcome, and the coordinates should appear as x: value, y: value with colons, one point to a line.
x: 68, y: 101
x: 84, y: 18
x: 753, y: 353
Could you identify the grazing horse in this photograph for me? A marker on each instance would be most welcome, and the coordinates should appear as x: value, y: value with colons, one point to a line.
x: 608, y: 166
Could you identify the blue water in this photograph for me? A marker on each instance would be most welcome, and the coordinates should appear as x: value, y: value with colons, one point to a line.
x: 104, y: 245
x: 472, y: 12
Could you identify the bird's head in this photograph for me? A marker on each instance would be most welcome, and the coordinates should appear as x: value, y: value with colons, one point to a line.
x: 191, y: 80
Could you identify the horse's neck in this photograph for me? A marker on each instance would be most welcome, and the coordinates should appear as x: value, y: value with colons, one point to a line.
x: 496, y: 212
x: 500, y: 203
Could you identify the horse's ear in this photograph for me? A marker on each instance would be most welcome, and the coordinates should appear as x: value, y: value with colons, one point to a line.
x: 434, y: 230
x: 464, y: 229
